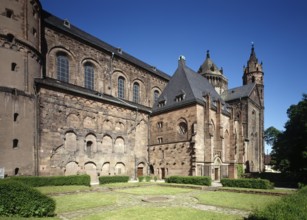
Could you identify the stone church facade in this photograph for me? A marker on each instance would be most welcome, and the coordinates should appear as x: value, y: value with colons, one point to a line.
x: 73, y: 104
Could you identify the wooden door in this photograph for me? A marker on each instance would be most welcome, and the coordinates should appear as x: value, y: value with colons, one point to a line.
x: 140, y: 171
x: 216, y: 174
x: 163, y: 173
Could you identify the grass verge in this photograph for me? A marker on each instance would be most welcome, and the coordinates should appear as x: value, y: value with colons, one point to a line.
x: 153, y: 213
x: 242, y: 201
x: 68, y: 203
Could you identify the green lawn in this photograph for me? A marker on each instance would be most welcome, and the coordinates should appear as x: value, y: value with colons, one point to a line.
x: 67, y: 203
x: 85, y: 198
x: 153, y: 213
x: 242, y: 201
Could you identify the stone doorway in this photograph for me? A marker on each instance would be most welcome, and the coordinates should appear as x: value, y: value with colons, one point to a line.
x: 140, y: 171
x: 163, y: 173
x: 216, y: 174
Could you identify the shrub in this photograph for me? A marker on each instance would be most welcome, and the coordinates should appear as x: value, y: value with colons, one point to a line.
x: 289, y: 207
x: 155, y: 178
x: 113, y: 179
x: 36, y: 181
x: 141, y: 178
x: 247, y: 183
x: 147, y: 178
x: 240, y: 170
x: 18, y: 199
x: 196, y: 180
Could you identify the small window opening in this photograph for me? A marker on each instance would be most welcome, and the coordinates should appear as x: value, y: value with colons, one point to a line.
x: 9, y: 13
x: 34, y: 32
x: 160, y: 124
x: 16, y: 171
x: 89, y: 147
x: 34, y: 13
x: 10, y: 37
x: 16, y: 116
x: 13, y: 66
x: 15, y: 143
x: 160, y: 140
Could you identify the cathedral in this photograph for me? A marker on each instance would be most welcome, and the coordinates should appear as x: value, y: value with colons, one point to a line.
x: 74, y: 104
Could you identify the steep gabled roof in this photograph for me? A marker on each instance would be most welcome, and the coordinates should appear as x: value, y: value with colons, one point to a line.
x: 238, y: 92
x: 188, y: 84
x: 70, y: 29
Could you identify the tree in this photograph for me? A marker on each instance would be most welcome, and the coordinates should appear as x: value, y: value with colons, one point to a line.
x: 290, y: 149
x: 271, y: 135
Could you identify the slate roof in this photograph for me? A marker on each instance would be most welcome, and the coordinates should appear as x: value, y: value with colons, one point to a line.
x: 209, y: 67
x: 58, y: 23
x: 238, y: 92
x: 191, y: 84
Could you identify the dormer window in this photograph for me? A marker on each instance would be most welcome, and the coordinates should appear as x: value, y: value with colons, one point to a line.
x: 161, y: 103
x: 179, y: 98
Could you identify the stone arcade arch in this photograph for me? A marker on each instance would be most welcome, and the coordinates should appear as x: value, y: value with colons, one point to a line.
x: 120, y: 169
x: 105, y: 169
x: 71, y: 168
x: 90, y: 169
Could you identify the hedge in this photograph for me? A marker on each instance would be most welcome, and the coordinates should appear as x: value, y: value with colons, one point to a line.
x: 247, y: 183
x: 289, y: 207
x: 113, y: 179
x: 18, y: 199
x: 146, y: 178
x: 196, y: 180
x: 36, y: 181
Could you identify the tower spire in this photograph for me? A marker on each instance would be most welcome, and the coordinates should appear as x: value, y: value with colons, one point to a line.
x: 208, y: 54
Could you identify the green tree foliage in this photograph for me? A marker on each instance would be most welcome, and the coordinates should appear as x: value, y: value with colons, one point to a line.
x: 271, y: 135
x: 290, y: 149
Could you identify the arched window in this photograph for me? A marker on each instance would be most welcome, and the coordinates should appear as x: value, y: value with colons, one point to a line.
x: 89, y: 147
x: 62, y: 67
x: 182, y: 128
x: 156, y: 95
x: 121, y: 87
x: 136, y: 92
x: 89, y: 76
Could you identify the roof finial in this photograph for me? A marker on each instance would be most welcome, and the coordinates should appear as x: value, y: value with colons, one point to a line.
x: 208, y: 53
x: 181, y: 60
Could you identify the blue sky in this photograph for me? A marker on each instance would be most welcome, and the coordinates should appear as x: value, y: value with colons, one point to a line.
x: 159, y: 31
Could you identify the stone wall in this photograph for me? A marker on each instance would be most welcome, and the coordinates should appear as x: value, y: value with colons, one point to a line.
x: 108, y: 68
x: 80, y: 135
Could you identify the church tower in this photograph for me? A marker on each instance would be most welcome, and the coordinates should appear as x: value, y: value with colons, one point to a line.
x: 253, y: 73
x: 214, y: 75
x: 20, y: 63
